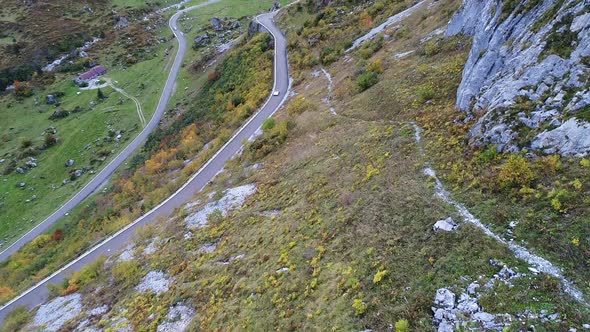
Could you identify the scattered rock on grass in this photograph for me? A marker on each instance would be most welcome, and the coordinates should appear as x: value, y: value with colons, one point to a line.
x: 154, y: 281
x: 233, y: 198
x: 450, y: 314
x: 177, y: 319
x: 127, y: 254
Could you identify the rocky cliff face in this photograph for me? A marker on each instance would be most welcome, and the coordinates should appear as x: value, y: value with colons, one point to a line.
x: 527, y: 73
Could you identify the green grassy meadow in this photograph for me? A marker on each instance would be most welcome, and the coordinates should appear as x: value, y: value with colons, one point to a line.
x: 26, y: 119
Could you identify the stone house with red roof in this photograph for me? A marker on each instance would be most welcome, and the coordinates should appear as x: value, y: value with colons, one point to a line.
x: 93, y: 73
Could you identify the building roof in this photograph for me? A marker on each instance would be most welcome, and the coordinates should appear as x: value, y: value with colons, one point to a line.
x: 92, y: 73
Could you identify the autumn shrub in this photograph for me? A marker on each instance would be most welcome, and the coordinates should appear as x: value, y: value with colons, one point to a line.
x: 85, y: 276
x: 6, y: 293
x: 359, y: 306
x: 432, y: 48
x: 549, y: 164
x: 299, y: 105
x: 559, y: 199
x: 425, y: 92
x: 375, y: 66
x: 127, y: 273
x: 515, y: 172
x: 57, y: 235
x: 274, y: 135
x: 50, y: 140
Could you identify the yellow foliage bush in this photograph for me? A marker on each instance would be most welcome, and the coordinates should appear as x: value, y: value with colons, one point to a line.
x: 375, y: 66
x: 379, y: 276
x: 516, y: 172
x: 300, y: 105
x: 359, y: 306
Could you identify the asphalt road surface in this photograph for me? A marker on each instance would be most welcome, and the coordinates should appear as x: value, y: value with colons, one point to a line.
x: 106, y: 172
x: 38, y: 294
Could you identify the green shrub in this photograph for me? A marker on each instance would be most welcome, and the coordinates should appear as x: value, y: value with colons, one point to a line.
x: 425, y: 92
x: 274, y: 135
x: 561, y: 43
x: 370, y: 48
x: 402, y: 325
x: 328, y: 55
x: 488, y: 155
x: 268, y: 124
x: 367, y: 80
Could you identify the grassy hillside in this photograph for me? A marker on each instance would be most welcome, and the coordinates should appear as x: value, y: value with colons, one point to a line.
x: 338, y: 235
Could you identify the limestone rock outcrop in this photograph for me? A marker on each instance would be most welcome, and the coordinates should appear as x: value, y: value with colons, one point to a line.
x: 527, y: 72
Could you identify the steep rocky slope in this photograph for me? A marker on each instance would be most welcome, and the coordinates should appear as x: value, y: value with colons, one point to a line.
x: 527, y: 74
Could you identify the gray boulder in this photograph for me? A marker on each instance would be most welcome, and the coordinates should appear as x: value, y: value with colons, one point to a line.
x: 31, y: 163
x: 202, y: 40
x: 572, y: 138
x: 216, y: 23
x: 447, y: 225
x: 51, y: 99
x: 275, y: 6
x: 444, y: 298
x: 121, y: 22
x: 254, y: 28
x: 69, y: 162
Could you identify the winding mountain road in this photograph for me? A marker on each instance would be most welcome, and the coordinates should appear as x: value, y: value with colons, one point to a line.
x: 37, y: 294
x: 109, y: 169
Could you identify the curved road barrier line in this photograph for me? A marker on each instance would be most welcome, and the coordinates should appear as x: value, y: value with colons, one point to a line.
x: 108, y: 170
x: 35, y: 295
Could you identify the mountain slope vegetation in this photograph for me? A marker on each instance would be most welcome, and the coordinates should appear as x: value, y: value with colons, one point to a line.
x: 333, y: 218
